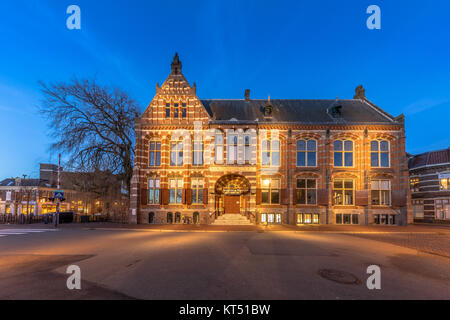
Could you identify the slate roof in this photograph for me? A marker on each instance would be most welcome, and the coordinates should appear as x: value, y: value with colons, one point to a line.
x: 353, y: 111
x: 430, y: 158
x: 11, y: 182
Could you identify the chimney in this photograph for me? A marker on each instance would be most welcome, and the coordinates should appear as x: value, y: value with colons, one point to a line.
x: 247, y: 94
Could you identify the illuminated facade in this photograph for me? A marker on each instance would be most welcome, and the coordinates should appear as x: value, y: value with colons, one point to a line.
x: 269, y: 161
x: 430, y: 186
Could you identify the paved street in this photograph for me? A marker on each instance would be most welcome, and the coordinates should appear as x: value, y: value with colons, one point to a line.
x: 263, y: 263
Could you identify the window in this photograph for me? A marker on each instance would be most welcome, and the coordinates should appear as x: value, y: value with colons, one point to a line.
x: 197, y: 153
x: 414, y: 184
x: 151, y: 217
x: 218, y: 147
x: 270, y: 192
x: 232, y: 148
x: 247, y: 149
x: 306, y: 191
x: 387, y: 219
x: 184, y: 111
x: 270, y: 218
x: 167, y: 110
x: 175, y: 110
x: 175, y: 190
x: 418, y: 209
x: 343, y: 192
x: 197, y: 190
x: 347, y: 218
x: 379, y: 153
x: 343, y: 153
x: 176, y: 153
x: 306, y: 153
x: 381, y: 192
x: 155, y: 154
x: 270, y: 153
x: 445, y: 183
x: 442, y: 208
x: 169, y: 217
x: 153, y: 190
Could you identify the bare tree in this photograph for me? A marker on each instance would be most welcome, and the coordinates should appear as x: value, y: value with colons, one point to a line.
x: 93, y: 125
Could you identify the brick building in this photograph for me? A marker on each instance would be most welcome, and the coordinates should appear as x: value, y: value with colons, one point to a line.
x: 267, y: 161
x: 430, y: 186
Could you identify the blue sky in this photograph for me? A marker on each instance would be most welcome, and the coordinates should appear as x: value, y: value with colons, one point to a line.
x: 288, y: 49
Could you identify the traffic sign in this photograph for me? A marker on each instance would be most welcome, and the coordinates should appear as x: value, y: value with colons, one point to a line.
x: 58, y: 194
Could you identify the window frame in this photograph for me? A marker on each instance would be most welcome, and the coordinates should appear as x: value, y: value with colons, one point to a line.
x: 177, y: 153
x: 153, y: 193
x: 155, y: 152
x: 197, y: 190
x: 217, y: 145
x: 306, y: 189
x: 198, y: 151
x: 380, y: 192
x: 271, y: 152
x: 270, y: 190
x: 343, y: 189
x: 306, y: 152
x: 176, y: 190
x: 379, y: 152
x: 343, y: 152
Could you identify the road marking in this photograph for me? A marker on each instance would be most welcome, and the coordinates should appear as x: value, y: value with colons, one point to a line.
x: 9, y: 232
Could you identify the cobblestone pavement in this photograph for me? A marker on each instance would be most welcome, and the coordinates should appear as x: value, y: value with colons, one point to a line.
x: 436, y: 243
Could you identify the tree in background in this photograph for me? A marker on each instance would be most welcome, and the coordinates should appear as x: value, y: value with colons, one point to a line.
x: 92, y: 125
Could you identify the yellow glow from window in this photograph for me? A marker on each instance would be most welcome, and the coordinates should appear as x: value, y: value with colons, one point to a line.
x: 266, y: 182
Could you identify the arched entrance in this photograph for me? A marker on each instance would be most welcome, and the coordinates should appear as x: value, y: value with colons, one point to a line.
x: 232, y: 194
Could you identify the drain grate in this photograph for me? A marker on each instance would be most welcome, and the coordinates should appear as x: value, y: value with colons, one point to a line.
x: 339, y: 276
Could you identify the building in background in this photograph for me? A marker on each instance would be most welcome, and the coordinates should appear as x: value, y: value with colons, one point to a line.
x: 91, y: 193
x: 430, y: 186
x: 226, y: 161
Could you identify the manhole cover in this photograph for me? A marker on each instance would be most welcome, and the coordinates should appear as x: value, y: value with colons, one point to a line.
x: 339, y: 276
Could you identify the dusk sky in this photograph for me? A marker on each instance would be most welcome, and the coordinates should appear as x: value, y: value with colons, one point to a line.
x: 288, y: 49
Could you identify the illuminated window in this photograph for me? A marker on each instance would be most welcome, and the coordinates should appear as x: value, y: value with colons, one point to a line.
x: 197, y: 190
x: 385, y: 219
x: 343, y: 192
x: 27, y: 209
x: 306, y: 191
x: 218, y: 147
x: 176, y: 153
x: 184, y: 110
x: 414, y: 184
x: 175, y: 190
x: 343, y: 153
x: 270, y: 153
x: 155, y: 154
x: 167, y: 110
x: 306, y: 153
x: 445, y: 183
x: 153, y: 190
x: 381, y: 192
x: 379, y: 153
x: 271, y: 218
x: 270, y: 191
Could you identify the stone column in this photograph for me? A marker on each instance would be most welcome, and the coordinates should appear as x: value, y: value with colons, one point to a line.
x: 134, y: 197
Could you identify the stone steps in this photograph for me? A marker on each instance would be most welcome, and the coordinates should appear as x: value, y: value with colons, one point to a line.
x: 231, y: 219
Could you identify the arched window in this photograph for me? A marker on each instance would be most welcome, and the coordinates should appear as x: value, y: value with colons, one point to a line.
x: 232, y: 141
x: 196, y: 217
x: 151, y: 217
x: 176, y: 153
x: 218, y: 151
x: 306, y: 153
x: 270, y: 153
x: 343, y: 153
x: 154, y: 157
x: 247, y: 149
x: 379, y: 153
x: 169, y: 217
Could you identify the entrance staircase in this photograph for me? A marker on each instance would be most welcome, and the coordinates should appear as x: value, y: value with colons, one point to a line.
x: 232, y: 219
